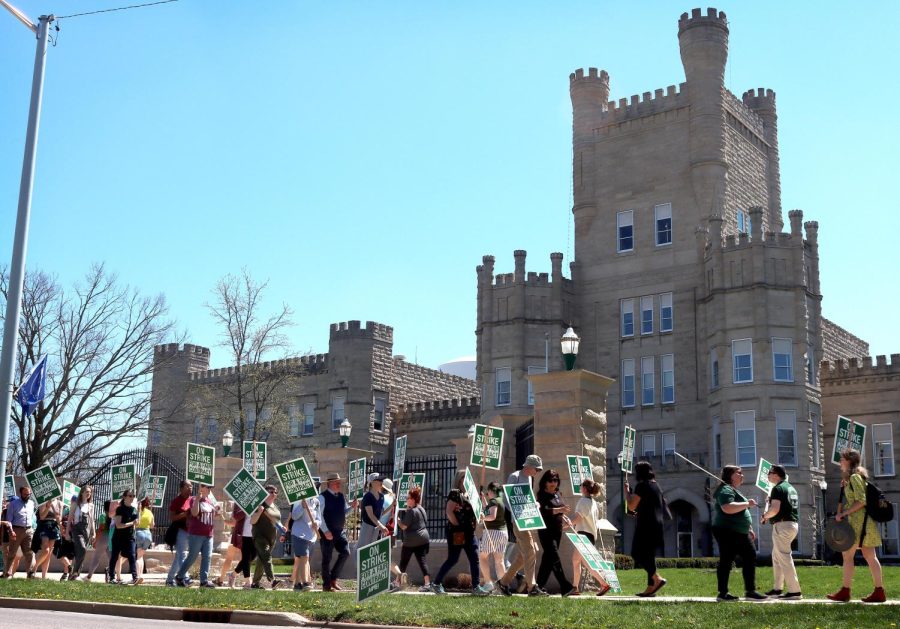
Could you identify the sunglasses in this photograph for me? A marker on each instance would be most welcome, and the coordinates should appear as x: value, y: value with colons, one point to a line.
x: 272, y: 491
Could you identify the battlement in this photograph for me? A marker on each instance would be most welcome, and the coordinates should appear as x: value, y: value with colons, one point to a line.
x: 593, y: 76
x: 748, y: 116
x: 354, y: 330
x: 437, y: 410
x: 171, y: 350
x: 646, y: 104
x: 762, y: 98
x: 851, y: 367
x: 713, y: 18
x: 301, y: 365
x: 427, y: 372
x: 530, y: 278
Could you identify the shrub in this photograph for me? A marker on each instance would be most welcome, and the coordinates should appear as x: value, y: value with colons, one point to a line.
x: 624, y: 562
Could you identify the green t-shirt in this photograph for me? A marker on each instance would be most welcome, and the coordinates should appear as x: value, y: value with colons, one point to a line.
x: 787, y: 495
x: 738, y: 522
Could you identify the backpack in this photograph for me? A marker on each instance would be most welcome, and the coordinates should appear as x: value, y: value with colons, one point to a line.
x: 877, y: 506
x: 465, y: 514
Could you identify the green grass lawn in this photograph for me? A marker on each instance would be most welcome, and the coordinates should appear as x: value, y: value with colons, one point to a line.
x: 520, y: 612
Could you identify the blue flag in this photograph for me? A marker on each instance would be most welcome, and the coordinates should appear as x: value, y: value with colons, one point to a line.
x: 32, y: 390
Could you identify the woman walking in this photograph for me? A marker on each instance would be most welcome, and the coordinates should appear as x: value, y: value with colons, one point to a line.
x: 852, y: 507
x: 587, y: 514
x: 554, y: 511
x: 143, y: 538
x: 416, y: 541
x: 242, y: 537
x: 102, y: 543
x: 494, y: 537
x: 461, y: 524
x: 647, y: 503
x: 734, y: 534
x: 304, y: 533
x: 123, y: 537
x: 372, y: 506
x: 65, y: 547
x: 200, y: 535
x: 47, y: 534
x: 81, y: 524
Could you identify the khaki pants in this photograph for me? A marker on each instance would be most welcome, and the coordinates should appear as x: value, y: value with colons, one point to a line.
x: 783, y: 533
x: 23, y: 540
x: 526, y: 559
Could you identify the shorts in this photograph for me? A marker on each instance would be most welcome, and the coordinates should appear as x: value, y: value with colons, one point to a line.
x: 143, y: 540
x: 301, y: 547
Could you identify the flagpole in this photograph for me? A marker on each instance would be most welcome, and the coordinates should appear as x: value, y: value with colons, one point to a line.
x: 20, y: 239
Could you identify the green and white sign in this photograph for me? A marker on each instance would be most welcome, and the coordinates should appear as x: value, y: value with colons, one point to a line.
x: 524, y: 507
x: 121, y: 479
x: 295, y: 479
x: 609, y: 573
x: 246, y: 491
x: 356, y: 479
x: 157, y: 490
x: 628, y: 439
x: 201, y: 464
x: 257, y: 464
x: 70, y: 491
x: 373, y: 569
x: 44, y: 486
x: 9, y: 487
x: 579, y: 471
x: 472, y: 494
x: 399, y: 456
x: 762, y: 476
x: 848, y: 434
x: 487, y: 447
x: 587, y: 551
x: 407, y: 482
x: 144, y: 485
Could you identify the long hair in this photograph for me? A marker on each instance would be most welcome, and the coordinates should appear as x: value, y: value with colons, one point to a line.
x: 852, y: 456
x: 592, y: 487
x: 80, y: 498
x: 548, y: 476
x: 643, y: 471
x: 727, y: 474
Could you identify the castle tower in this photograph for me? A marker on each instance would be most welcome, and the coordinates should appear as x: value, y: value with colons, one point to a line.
x: 703, y: 40
x: 171, y: 414
x: 762, y: 102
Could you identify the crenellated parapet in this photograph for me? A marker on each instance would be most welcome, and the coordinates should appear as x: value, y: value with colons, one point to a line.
x: 855, y: 367
x: 300, y: 366
x: 354, y: 330
x: 437, y: 411
x: 642, y: 105
x: 173, y: 350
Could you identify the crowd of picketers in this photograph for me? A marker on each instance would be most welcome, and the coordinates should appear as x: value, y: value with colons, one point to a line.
x: 503, y: 559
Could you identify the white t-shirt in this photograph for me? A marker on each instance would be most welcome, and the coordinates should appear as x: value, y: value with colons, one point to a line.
x: 85, y: 509
x: 248, y: 528
x: 589, y: 511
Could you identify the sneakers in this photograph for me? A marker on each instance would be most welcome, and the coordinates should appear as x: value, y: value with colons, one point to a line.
x: 298, y: 587
x: 791, y: 596
x: 437, y: 588
x: 395, y: 586
x: 231, y: 578
x: 477, y: 591
x: 725, y: 597
x: 65, y: 575
x: 841, y: 596
x: 755, y: 596
x: 774, y: 593
x: 255, y: 586
x: 504, y: 589
x: 537, y: 591
x: 170, y: 584
x: 209, y: 585
x: 425, y: 588
x: 182, y: 583
x: 306, y: 587
x: 877, y: 596
x: 29, y: 575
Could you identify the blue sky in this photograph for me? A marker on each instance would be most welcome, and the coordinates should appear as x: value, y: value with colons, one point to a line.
x: 363, y: 156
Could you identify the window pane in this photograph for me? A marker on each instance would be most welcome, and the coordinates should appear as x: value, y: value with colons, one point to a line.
x: 713, y: 369
x: 309, y: 417
x: 648, y: 445
x: 742, y: 359
x: 646, y: 315
x: 668, y: 443
x: 627, y: 317
x: 781, y: 354
x: 665, y: 312
x: 668, y: 378
x: 625, y: 231
x: 628, y: 382
x: 647, y: 385
x: 378, y: 420
x: 504, y: 386
x: 337, y: 412
x: 745, y: 437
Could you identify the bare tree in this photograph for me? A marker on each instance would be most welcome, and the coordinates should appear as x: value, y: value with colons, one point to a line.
x: 250, y: 337
x: 99, y: 337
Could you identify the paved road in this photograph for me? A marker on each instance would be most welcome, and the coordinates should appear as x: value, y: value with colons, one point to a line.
x: 37, y: 619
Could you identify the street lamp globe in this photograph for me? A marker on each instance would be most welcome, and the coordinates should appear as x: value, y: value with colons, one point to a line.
x: 227, y: 442
x: 344, y: 430
x: 569, y: 344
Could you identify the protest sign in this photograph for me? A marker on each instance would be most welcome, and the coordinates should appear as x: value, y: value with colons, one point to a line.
x: 157, y: 491
x: 524, y: 507
x: 295, y: 479
x: 595, y: 560
x: 487, y: 446
x: 70, y: 491
x: 144, y: 485
x: 201, y: 464
x: 399, y: 456
x: 257, y: 464
x: 9, y: 487
x: 472, y: 494
x: 847, y: 434
x: 609, y: 573
x: 628, y: 438
x: 356, y: 479
x: 246, y: 491
x: 121, y: 479
x: 579, y: 471
x: 373, y: 569
x: 762, y: 476
x: 407, y: 482
x: 44, y: 486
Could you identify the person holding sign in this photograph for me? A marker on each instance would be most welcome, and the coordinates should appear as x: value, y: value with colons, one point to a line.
x: 178, y: 516
x: 587, y: 514
x: 242, y: 538
x: 20, y: 513
x: 123, y: 536
x: 200, y: 525
x: 852, y: 507
x: 494, y: 538
x: 461, y: 525
x: 266, y: 522
x: 734, y: 534
x: 648, y: 504
x: 554, y: 511
x: 81, y: 526
x: 333, y: 510
x: 143, y: 538
x: 781, y: 511
x: 304, y: 533
x: 416, y: 541
x: 372, y: 506
x: 47, y: 534
x: 526, y: 541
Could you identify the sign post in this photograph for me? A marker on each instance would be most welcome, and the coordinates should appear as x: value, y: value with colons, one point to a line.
x: 373, y: 569
x: 246, y: 491
x: 356, y: 480
x: 295, y: 479
x: 847, y: 434
x: 579, y: 471
x: 525, y: 510
x: 201, y: 464
x: 256, y: 458
x: 399, y: 456
x: 43, y: 483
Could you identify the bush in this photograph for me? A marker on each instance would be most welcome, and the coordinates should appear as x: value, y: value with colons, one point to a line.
x: 624, y: 562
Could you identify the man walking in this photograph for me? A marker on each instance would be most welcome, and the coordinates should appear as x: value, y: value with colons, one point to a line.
x: 333, y: 510
x: 20, y: 513
x: 782, y: 513
x: 526, y: 541
x: 178, y: 512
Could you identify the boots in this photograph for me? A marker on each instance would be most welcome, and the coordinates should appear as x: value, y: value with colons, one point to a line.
x: 841, y: 596
x: 877, y: 596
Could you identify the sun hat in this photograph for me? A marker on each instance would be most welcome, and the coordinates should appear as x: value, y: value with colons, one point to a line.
x: 839, y: 535
x: 533, y: 460
x: 387, y: 486
x: 332, y: 476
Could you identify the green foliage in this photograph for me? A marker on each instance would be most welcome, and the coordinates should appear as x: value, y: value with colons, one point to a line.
x: 624, y: 562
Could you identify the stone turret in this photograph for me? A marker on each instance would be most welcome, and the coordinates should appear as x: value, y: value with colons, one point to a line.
x: 762, y: 101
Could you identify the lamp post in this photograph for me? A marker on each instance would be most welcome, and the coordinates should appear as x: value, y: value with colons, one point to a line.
x: 227, y: 442
x: 570, y: 343
x: 344, y: 430
x: 20, y: 238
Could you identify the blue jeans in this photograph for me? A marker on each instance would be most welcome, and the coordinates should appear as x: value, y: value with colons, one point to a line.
x: 181, y: 549
x: 197, y: 544
x: 453, y: 552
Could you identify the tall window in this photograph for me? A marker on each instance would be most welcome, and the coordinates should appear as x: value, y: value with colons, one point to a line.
x: 378, y: 417
x: 198, y: 430
x: 533, y: 369
x: 742, y: 359
x: 337, y: 411
x: 781, y: 360
x: 890, y: 544
x: 663, y: 224
x: 668, y: 444
x: 647, y: 315
x: 713, y: 369
x: 647, y: 377
x: 156, y: 436
x: 814, y: 413
x: 504, y: 386
x: 810, y: 365
x: 786, y: 437
x: 249, y: 423
x: 628, y: 382
x: 627, y: 311
x: 743, y: 222
x: 212, y: 430
x: 883, y: 448
x: 666, y: 321
x: 309, y: 417
x: 667, y: 367
x: 648, y: 445
x: 745, y: 437
x: 294, y: 421
x: 717, y: 442
x: 625, y: 231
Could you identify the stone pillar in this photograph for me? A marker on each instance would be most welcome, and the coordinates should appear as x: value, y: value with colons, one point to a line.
x: 226, y: 468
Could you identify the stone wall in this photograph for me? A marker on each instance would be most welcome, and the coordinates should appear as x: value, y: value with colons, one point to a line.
x: 414, y: 383
x: 747, y: 164
x: 838, y: 344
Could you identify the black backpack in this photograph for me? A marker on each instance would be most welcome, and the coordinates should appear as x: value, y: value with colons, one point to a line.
x: 877, y: 506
